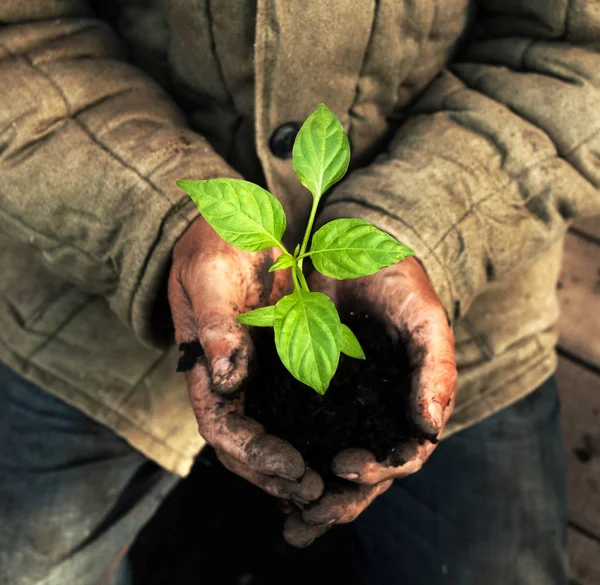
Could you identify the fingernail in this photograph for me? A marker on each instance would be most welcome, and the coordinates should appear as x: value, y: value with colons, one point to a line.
x: 220, y: 369
x: 301, y: 502
x: 349, y: 476
x: 436, y: 414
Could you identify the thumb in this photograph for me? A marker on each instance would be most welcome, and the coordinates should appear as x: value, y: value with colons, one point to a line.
x: 205, y: 311
x: 227, y: 346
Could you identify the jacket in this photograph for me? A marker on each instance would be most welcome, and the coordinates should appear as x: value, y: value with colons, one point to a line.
x: 475, y: 134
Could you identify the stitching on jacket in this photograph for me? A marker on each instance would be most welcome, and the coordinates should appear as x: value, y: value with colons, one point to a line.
x: 103, y: 405
x: 175, y: 207
x: 105, y: 98
x: 42, y: 308
x: 73, y: 116
x: 78, y: 22
x: 483, y: 347
x: 376, y: 5
x: 497, y: 190
x: 493, y: 192
x: 213, y: 46
x: 425, y: 38
x: 524, y: 56
x: 50, y: 338
x: 511, y: 179
x: 19, y: 222
x: 135, y: 386
x: 478, y: 90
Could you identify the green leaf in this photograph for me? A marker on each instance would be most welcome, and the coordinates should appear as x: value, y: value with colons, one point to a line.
x: 262, y: 317
x: 350, y: 248
x: 350, y: 345
x: 321, y: 151
x: 242, y: 213
x: 307, y: 337
x: 284, y: 261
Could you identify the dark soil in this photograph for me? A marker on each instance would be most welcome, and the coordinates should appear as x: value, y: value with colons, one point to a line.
x: 365, y: 406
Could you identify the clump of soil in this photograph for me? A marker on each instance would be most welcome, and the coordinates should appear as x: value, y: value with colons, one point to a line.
x: 365, y: 406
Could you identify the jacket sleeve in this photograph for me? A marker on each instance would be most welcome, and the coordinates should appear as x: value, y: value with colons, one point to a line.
x: 500, y: 152
x: 90, y: 149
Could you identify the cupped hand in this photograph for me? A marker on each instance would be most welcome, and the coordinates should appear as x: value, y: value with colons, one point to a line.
x: 404, y: 299
x: 210, y: 283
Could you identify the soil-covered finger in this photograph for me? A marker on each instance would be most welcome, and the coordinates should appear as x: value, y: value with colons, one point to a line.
x: 308, y: 489
x: 225, y: 428
x: 434, y: 377
x: 434, y: 389
x: 273, y: 456
x: 360, y: 466
x: 351, y: 464
x: 300, y: 534
x: 220, y: 284
x: 343, y: 504
x: 219, y: 418
x: 228, y: 348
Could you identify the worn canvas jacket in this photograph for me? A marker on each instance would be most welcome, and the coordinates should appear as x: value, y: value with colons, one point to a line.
x: 475, y: 132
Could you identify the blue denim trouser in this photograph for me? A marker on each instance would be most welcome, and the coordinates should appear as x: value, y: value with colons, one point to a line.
x: 488, y: 508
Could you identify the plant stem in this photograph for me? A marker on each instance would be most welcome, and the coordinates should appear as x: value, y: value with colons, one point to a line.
x: 299, y: 280
x: 302, y: 280
x: 295, y: 277
x: 309, y: 226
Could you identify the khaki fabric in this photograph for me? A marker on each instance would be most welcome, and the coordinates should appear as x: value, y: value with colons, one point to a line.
x: 475, y: 129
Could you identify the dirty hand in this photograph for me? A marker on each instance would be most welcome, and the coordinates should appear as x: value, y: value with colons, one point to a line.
x: 403, y: 298
x: 210, y: 283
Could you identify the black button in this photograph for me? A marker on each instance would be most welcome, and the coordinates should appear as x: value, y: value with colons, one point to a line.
x: 281, y: 142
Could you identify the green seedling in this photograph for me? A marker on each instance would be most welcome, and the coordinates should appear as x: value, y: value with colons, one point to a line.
x: 309, y: 335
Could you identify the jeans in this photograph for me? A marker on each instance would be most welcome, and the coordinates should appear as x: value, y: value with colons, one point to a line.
x: 487, y: 508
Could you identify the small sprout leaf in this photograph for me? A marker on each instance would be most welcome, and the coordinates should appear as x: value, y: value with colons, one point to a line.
x: 350, y: 345
x: 321, y: 151
x: 262, y: 317
x: 350, y: 248
x: 242, y: 213
x: 307, y: 337
x: 284, y: 261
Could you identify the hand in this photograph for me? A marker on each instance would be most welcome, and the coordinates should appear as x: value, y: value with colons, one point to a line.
x: 403, y: 298
x: 210, y: 283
